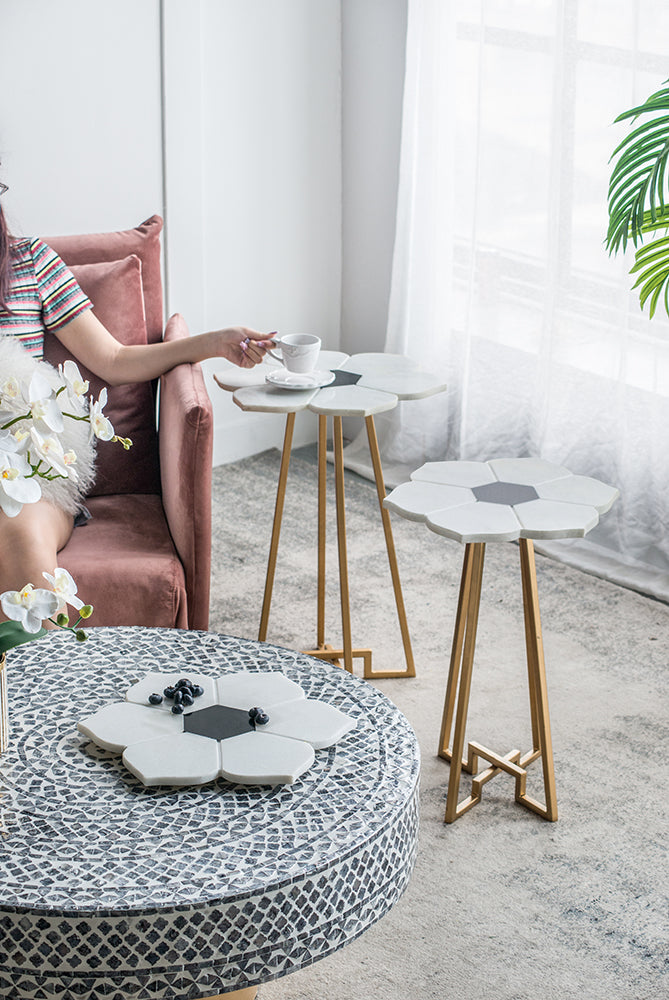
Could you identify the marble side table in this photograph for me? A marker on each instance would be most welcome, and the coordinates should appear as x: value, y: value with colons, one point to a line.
x: 363, y: 385
x: 499, y: 501
x: 115, y: 890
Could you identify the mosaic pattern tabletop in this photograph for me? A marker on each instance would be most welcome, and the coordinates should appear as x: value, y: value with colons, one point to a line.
x: 115, y: 890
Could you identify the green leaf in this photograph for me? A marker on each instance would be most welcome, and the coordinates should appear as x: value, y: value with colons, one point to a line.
x: 652, y: 265
x: 13, y: 634
x: 638, y: 183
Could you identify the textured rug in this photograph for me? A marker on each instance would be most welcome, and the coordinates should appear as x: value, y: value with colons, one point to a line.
x: 502, y: 905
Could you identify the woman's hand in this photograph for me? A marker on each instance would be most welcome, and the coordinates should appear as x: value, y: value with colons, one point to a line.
x: 243, y: 347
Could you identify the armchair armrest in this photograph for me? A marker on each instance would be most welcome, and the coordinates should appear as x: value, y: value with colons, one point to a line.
x: 185, y: 441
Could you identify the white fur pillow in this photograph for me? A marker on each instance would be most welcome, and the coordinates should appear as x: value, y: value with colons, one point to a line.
x: 67, y: 494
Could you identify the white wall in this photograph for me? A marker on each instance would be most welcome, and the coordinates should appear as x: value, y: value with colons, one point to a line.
x: 226, y: 117
x: 254, y: 180
x: 80, y: 133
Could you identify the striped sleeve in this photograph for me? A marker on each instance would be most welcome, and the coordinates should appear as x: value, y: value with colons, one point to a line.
x: 62, y: 298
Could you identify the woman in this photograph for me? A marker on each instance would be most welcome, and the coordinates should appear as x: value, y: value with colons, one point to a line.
x: 39, y: 296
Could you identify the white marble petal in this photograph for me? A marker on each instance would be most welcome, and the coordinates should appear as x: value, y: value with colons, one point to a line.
x: 580, y: 489
x: 526, y: 471
x: 233, y: 377
x: 157, y: 682
x: 246, y: 690
x: 476, y: 522
x: 264, y: 759
x: 271, y: 399
x: 467, y: 474
x: 405, y: 385
x: 187, y: 759
x: 552, y: 519
x: 117, y: 726
x: 380, y: 365
x: 313, y: 721
x: 332, y: 359
x: 415, y: 500
x: 352, y: 401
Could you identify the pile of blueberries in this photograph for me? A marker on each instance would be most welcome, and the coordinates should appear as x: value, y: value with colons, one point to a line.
x: 183, y: 694
x: 258, y: 716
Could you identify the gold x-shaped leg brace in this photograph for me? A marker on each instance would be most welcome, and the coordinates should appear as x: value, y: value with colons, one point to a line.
x: 459, y: 686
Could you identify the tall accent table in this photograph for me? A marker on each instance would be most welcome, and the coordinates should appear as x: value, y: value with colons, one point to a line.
x: 362, y: 386
x: 115, y: 890
x: 514, y: 499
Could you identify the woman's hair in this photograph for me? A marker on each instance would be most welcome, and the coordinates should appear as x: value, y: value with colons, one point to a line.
x: 5, y: 261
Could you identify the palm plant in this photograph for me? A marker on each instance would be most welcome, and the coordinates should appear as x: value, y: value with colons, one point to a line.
x: 639, y: 198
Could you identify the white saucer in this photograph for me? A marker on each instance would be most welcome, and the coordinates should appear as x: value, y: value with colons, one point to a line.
x: 297, y: 380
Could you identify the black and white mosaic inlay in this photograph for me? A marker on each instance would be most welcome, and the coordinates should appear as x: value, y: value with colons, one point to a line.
x: 114, y: 890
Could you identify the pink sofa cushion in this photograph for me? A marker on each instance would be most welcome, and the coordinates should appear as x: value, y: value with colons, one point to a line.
x: 115, y: 289
x: 143, y: 241
x: 126, y: 553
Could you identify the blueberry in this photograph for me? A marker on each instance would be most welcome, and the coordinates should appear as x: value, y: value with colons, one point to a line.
x: 187, y: 698
x: 254, y: 712
x: 169, y: 691
x: 261, y: 719
x: 155, y: 699
x: 178, y: 697
x: 197, y: 690
x: 184, y: 682
x: 177, y: 709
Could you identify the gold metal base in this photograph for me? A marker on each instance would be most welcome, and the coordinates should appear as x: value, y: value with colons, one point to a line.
x: 459, y: 685
x: 322, y: 650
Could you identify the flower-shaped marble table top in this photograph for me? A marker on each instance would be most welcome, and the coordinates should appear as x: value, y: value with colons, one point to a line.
x: 254, y: 729
x: 370, y: 383
x: 502, y: 500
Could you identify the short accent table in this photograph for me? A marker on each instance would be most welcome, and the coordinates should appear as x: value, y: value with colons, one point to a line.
x: 115, y: 890
x: 363, y: 385
x: 499, y: 501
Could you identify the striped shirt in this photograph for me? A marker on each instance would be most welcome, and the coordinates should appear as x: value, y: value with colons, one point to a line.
x: 43, y: 295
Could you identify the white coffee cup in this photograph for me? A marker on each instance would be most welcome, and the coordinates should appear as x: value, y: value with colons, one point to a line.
x: 299, y: 351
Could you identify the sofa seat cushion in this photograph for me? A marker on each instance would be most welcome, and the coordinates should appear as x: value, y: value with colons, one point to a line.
x: 126, y: 552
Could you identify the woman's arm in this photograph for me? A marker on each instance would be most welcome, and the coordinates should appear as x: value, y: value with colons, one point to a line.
x: 92, y: 344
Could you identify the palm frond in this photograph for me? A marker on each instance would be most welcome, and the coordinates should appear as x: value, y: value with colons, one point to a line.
x: 637, y: 186
x: 652, y: 265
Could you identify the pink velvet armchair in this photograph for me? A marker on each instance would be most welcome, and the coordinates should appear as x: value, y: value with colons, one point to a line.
x: 144, y: 557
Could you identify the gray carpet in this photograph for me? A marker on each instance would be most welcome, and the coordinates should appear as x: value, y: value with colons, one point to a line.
x: 502, y: 904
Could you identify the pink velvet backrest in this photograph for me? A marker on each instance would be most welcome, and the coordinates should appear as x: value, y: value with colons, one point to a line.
x: 121, y: 274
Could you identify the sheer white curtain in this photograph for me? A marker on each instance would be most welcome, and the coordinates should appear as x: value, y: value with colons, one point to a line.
x: 500, y: 277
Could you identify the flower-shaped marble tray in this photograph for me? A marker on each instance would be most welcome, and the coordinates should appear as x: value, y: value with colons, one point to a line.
x: 253, y: 729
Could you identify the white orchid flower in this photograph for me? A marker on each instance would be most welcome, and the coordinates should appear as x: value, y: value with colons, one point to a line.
x: 101, y: 427
x: 76, y: 386
x: 43, y: 403
x: 64, y: 588
x: 10, y: 389
x: 50, y: 450
x: 29, y: 606
x: 15, y: 489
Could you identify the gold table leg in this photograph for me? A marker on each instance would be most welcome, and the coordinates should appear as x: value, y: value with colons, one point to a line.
x: 276, y: 526
x: 459, y: 686
x: 324, y: 651
x: 410, y: 670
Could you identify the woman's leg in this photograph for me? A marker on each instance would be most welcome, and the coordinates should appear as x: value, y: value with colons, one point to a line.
x: 29, y: 544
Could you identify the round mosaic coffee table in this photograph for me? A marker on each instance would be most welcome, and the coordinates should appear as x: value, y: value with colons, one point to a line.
x: 115, y: 890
